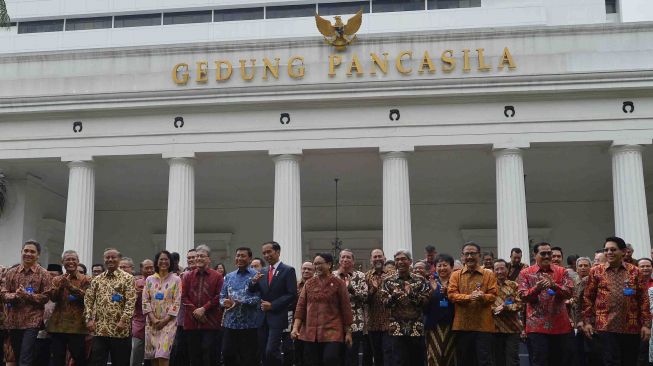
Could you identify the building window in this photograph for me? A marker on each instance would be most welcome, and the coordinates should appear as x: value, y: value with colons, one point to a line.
x: 383, y: 6
x: 137, y: 20
x: 88, y: 23
x: 610, y: 6
x: 228, y: 15
x: 41, y: 26
x: 351, y: 7
x: 188, y: 17
x: 452, y: 4
x: 290, y: 11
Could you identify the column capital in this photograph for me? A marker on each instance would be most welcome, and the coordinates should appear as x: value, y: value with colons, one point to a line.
x: 394, y: 155
x: 172, y: 155
x: 287, y: 157
x: 396, y: 148
x: 631, y: 141
x: 81, y: 164
x: 507, y: 151
x: 180, y: 161
x: 625, y: 148
x: 73, y: 158
x: 510, y: 146
x: 285, y: 151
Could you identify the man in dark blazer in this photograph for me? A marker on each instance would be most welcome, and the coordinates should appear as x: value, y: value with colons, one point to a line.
x: 277, y: 284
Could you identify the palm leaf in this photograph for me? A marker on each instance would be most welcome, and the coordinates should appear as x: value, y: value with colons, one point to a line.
x: 5, y: 22
x: 3, y: 190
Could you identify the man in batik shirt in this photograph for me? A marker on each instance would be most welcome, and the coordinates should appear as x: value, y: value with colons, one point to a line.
x: 378, y: 314
x: 506, y: 317
x: 357, y: 288
x: 109, y: 308
x: 616, y: 306
x: 545, y: 287
x: 25, y: 292
x: 405, y: 293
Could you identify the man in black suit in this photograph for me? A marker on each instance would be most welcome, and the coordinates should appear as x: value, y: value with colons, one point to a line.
x: 277, y: 284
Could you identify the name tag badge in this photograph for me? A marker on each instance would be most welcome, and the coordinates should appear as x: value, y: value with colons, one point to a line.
x: 72, y: 298
x: 30, y: 290
x: 159, y: 296
x: 116, y: 297
x: 444, y: 303
x: 508, y: 302
x: 550, y: 292
x: 629, y: 291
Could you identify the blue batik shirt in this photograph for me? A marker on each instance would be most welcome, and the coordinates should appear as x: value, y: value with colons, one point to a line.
x: 245, y: 315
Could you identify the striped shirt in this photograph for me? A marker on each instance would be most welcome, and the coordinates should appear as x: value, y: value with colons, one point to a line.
x: 507, y: 321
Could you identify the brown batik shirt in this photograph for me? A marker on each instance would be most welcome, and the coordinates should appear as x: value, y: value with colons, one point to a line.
x: 357, y: 289
x: 378, y: 313
x: 111, y: 298
x: 406, y: 298
x: 68, y: 314
x: 26, y: 313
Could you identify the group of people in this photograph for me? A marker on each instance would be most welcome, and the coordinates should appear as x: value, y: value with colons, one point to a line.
x: 441, y: 311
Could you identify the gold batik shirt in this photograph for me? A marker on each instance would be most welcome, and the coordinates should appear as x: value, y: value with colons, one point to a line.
x: 357, y: 289
x: 111, y: 298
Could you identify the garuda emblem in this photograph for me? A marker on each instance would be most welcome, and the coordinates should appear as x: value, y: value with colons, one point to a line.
x: 339, y: 35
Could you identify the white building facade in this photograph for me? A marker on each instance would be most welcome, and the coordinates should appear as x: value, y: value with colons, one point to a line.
x: 161, y: 125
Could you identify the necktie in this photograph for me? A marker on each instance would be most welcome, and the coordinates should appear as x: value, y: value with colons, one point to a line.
x: 270, y: 273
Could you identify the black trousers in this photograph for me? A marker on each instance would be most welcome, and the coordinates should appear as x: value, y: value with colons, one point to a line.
x: 506, y: 349
x: 548, y: 349
x: 381, y: 347
x: 270, y: 345
x: 407, y: 351
x: 201, y: 347
x: 323, y: 353
x: 73, y: 342
x: 179, y: 351
x: 359, y: 345
x: 22, y: 342
x: 474, y: 348
x: 120, y: 350
x: 619, y: 349
x: 288, y: 349
x: 240, y: 347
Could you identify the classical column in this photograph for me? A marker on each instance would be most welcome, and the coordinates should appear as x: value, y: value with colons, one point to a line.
x: 512, y: 226
x: 287, y: 227
x: 397, y: 232
x: 180, y: 230
x: 80, y: 210
x: 630, y: 214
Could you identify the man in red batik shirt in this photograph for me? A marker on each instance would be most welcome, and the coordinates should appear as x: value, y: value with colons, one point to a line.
x: 616, y: 306
x: 544, y: 287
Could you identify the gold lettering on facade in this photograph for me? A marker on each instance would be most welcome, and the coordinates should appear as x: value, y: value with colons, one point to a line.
x: 355, y: 64
x: 400, y: 66
x: 243, y: 69
x: 381, y: 64
x: 482, y: 66
x: 466, y: 66
x: 202, y: 72
x: 272, y: 68
x: 218, y: 70
x: 334, y: 61
x: 300, y: 68
x: 449, y: 62
x: 180, y: 69
x: 506, y: 57
x: 426, y: 61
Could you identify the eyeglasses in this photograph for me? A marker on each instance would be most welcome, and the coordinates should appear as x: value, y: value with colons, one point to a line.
x: 545, y: 254
x: 201, y: 256
x: 469, y: 254
x: 611, y: 250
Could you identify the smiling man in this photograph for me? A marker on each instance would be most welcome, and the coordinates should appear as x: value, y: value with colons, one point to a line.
x: 544, y: 287
x: 241, y: 313
x: 616, y: 306
x: 25, y: 291
x: 109, y: 307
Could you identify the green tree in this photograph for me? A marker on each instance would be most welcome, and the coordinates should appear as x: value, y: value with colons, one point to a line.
x: 4, y: 16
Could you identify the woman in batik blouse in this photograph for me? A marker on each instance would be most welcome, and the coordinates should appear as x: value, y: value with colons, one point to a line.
x: 438, y: 316
x: 161, y: 301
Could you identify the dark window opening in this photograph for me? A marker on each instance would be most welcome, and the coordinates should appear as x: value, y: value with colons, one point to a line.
x: 290, y: 11
x: 453, y: 4
x: 228, y: 15
x: 351, y: 7
x: 383, y: 6
x: 41, y: 26
x: 88, y: 23
x: 188, y: 17
x: 137, y: 20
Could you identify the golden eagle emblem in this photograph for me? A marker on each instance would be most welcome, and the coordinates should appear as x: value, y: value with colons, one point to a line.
x: 339, y: 35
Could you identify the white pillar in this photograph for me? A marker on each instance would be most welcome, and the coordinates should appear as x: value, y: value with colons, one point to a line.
x: 180, y: 230
x: 287, y: 227
x: 80, y: 210
x: 512, y: 225
x: 630, y: 214
x: 397, y: 232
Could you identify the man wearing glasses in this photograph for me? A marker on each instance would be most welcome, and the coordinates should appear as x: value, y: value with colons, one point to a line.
x: 473, y: 289
x: 616, y: 306
x: 544, y: 287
